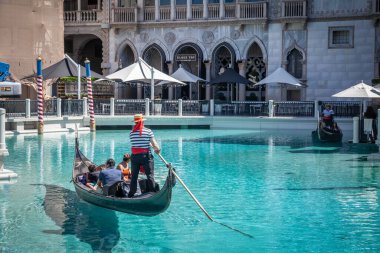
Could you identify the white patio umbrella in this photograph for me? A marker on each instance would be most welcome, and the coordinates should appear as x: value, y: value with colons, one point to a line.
x: 183, y: 75
x: 280, y: 75
x: 360, y: 90
x: 141, y: 71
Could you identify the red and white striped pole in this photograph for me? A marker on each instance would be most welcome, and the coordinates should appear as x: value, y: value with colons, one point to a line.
x: 40, y: 97
x: 90, y: 98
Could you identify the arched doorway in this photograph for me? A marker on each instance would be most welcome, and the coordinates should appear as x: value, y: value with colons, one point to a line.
x: 190, y: 57
x: 155, y: 57
x: 256, y: 71
x: 223, y: 57
x: 93, y: 51
x: 126, y: 58
x: 295, y: 68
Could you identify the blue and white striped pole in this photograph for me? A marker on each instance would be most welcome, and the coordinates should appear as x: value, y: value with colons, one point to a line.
x: 90, y: 98
x: 40, y: 97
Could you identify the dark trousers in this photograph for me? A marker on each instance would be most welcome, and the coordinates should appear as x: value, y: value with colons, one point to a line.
x: 145, y: 160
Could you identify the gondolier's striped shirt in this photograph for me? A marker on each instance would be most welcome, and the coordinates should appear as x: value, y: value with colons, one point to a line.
x: 142, y: 141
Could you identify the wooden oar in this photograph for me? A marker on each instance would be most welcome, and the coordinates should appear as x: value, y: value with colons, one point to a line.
x: 169, y: 165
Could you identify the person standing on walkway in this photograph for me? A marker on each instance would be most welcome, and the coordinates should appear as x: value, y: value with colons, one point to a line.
x: 141, y: 139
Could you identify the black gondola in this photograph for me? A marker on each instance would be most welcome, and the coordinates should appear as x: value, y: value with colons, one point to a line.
x: 323, y: 134
x: 147, y: 204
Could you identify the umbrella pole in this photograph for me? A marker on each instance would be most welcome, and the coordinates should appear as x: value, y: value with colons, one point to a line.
x: 198, y: 89
x: 151, y: 85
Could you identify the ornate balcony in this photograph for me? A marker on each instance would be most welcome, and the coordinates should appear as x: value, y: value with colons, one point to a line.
x: 85, y: 16
x: 236, y: 12
x: 293, y: 11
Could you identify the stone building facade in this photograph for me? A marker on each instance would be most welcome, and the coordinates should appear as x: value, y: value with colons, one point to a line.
x: 30, y: 29
x: 328, y: 44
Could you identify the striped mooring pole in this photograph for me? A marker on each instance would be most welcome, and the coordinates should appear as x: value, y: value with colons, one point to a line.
x: 90, y: 99
x: 40, y: 97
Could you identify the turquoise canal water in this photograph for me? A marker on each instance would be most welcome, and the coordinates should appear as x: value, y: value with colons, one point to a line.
x: 291, y: 195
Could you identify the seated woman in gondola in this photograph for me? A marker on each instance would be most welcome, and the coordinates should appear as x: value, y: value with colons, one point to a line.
x: 124, y: 167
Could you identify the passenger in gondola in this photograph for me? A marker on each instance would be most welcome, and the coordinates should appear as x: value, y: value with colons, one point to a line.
x: 327, y: 116
x: 92, y: 177
x: 124, y: 167
x: 109, y: 177
x: 141, y: 139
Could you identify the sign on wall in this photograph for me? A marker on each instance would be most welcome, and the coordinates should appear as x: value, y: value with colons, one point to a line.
x: 186, y: 57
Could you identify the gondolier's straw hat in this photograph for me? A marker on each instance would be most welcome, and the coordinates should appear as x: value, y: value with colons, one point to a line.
x: 138, y: 118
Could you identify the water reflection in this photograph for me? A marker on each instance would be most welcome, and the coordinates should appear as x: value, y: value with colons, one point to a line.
x: 367, y: 188
x: 90, y: 224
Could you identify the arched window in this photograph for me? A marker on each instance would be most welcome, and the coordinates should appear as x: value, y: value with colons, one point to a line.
x: 295, y: 63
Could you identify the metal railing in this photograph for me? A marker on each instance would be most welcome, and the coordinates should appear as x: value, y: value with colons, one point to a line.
x: 14, y: 108
x: 168, y: 107
x: 294, y: 109
x: 72, y: 107
x: 75, y: 107
x: 241, y: 108
x: 129, y: 106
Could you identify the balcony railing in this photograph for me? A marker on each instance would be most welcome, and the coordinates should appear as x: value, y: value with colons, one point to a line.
x: 293, y: 9
x: 87, y: 16
x: 213, y: 11
x: 165, y: 13
x: 180, y: 13
x: 149, y: 14
x: 123, y: 15
x: 231, y: 11
x: 197, y: 11
x: 253, y: 10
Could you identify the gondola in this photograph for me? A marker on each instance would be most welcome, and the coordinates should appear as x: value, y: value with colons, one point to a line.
x: 325, y: 135
x: 146, y: 204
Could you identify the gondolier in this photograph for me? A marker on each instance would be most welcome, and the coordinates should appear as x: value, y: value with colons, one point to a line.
x: 141, y: 139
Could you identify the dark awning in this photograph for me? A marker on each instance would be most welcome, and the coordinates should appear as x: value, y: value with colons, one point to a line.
x: 63, y: 68
x: 230, y: 76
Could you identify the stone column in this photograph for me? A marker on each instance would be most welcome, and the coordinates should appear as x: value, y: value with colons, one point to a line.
x: 179, y: 107
x: 140, y: 12
x: 59, y: 107
x: 157, y: 10
x: 208, y: 78
x: 170, y: 88
x: 242, y: 70
x: 4, y: 174
x: 79, y: 7
x: 139, y: 91
x: 147, y: 102
x: 221, y: 9
x: 205, y: 9
x: 172, y: 10
x: 27, y: 108
x: 188, y: 10
x: 112, y: 106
